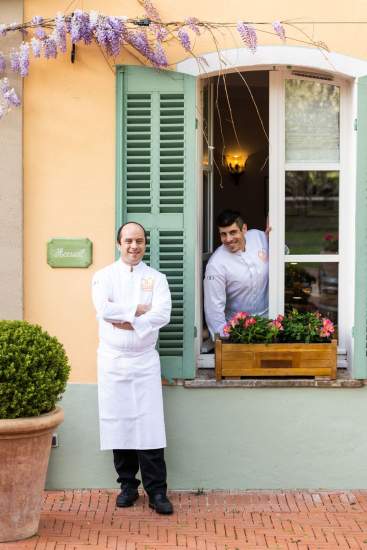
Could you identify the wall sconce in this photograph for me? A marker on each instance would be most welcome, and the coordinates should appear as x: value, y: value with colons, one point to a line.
x: 235, y: 165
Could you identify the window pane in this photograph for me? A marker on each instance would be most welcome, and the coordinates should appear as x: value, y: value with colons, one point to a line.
x: 311, y: 121
x: 312, y: 287
x: 312, y: 212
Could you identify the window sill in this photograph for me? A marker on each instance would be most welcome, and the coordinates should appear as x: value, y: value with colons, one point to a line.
x: 205, y: 378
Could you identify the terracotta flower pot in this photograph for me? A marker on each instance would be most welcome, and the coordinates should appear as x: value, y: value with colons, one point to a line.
x: 25, y: 445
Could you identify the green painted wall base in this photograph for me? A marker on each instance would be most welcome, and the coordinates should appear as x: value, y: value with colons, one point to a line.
x: 240, y: 438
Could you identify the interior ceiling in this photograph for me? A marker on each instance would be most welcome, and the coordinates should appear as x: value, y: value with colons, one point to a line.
x: 255, y: 79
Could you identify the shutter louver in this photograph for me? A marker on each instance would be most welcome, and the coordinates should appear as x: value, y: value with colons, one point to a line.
x: 171, y: 152
x: 156, y: 144
x: 138, y: 139
x: 171, y: 255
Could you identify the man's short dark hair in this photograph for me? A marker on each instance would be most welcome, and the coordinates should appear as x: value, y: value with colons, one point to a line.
x: 118, y: 238
x: 228, y: 217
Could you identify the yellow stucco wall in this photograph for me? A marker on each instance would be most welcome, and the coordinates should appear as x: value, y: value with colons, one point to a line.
x: 69, y: 149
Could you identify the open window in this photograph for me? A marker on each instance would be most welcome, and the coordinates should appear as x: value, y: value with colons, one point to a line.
x: 294, y: 130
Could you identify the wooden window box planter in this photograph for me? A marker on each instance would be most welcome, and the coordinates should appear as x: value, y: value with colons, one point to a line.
x: 236, y: 360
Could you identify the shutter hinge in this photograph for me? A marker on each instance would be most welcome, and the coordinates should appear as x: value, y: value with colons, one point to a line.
x: 196, y: 123
x: 195, y: 332
x: 355, y: 124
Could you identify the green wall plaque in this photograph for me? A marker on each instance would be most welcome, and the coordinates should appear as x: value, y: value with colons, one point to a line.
x: 69, y: 252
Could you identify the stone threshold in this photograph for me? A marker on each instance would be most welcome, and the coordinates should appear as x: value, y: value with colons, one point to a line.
x: 206, y: 379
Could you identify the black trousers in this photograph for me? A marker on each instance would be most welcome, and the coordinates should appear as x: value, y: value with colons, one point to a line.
x: 152, y: 468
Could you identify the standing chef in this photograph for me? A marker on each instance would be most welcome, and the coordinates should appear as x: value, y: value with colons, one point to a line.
x: 133, y: 302
x: 237, y: 274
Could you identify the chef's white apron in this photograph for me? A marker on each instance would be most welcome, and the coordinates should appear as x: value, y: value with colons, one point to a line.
x: 130, y: 400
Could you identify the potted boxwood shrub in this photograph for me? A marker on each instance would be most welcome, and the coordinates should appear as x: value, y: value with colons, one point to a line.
x: 297, y: 344
x: 33, y: 373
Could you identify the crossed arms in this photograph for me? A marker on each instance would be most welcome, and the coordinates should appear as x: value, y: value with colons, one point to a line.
x: 142, y: 318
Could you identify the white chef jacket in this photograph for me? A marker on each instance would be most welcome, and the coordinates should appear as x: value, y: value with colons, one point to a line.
x: 129, y: 376
x: 237, y: 281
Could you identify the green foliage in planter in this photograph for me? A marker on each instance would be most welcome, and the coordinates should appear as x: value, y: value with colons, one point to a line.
x: 306, y: 327
x: 34, y: 370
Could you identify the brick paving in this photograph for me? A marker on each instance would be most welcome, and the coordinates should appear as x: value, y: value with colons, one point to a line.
x: 289, y: 520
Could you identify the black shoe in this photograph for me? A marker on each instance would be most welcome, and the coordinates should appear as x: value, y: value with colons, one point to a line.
x: 160, y: 503
x: 127, y: 497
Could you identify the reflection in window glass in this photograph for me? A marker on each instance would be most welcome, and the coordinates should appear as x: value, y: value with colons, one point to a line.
x: 312, y: 287
x: 312, y: 212
x: 311, y: 121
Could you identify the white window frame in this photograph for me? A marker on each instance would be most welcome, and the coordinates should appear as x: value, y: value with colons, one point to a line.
x: 277, y: 168
x: 347, y: 180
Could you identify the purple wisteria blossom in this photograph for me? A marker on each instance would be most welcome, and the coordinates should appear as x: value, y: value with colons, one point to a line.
x: 248, y: 35
x: 12, y: 97
x: 139, y: 41
x: 15, y: 61
x: 49, y: 48
x: 116, y: 34
x: 111, y: 33
x: 40, y: 33
x: 184, y: 39
x: 93, y: 19
x: 279, y: 29
x: 159, y: 58
x: 159, y: 31
x: 192, y: 23
x: 37, y: 20
x: 8, y: 94
x: 24, y: 59
x: 80, y: 27
x: 59, y: 34
x: 36, y: 46
x: 151, y: 11
x: 2, y: 62
x: 68, y: 23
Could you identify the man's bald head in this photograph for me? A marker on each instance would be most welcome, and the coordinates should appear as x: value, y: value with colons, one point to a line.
x: 125, y: 225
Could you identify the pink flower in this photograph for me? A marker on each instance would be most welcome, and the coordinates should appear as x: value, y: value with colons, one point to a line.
x: 226, y: 329
x: 241, y: 315
x: 277, y: 324
x: 250, y: 321
x: 327, y: 328
x: 237, y: 317
x: 329, y: 237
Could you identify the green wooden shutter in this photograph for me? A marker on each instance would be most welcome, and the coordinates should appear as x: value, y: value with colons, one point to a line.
x: 156, y: 164
x: 360, y: 317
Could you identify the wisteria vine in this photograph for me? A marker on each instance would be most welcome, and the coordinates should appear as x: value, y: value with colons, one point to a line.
x: 146, y: 36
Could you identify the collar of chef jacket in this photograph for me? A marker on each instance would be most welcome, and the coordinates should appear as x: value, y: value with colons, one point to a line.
x: 126, y: 268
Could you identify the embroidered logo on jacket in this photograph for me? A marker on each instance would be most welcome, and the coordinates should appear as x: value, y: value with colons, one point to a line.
x: 147, y: 284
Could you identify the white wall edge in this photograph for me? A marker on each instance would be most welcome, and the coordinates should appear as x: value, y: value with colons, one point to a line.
x: 296, y: 56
